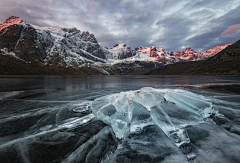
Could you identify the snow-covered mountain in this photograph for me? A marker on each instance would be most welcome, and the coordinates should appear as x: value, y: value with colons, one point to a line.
x: 72, y: 47
x: 122, y: 54
x: 159, y: 54
x: 119, y: 51
x: 67, y: 47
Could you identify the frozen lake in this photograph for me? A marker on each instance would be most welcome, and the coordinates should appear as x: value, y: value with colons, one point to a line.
x: 119, y: 119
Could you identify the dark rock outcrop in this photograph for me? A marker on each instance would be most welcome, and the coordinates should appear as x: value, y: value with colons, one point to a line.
x: 22, y: 40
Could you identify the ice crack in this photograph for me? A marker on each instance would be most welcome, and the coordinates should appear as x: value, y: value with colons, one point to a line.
x: 169, y: 109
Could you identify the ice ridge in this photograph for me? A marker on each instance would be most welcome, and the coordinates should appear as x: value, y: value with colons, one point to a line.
x: 169, y: 109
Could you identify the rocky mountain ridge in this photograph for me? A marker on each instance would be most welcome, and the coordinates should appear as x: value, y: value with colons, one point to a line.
x: 10, y: 21
x: 226, y: 62
x: 72, y: 47
x: 66, y: 47
x: 159, y: 54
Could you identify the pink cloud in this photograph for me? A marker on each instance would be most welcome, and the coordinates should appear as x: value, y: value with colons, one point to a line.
x: 231, y: 29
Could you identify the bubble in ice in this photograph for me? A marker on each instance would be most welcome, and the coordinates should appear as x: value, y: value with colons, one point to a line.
x: 81, y: 108
x: 179, y: 137
x: 169, y: 109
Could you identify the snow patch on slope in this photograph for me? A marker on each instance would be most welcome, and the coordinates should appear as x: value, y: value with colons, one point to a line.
x: 68, y: 45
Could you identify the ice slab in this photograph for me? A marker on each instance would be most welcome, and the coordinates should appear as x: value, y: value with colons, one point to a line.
x: 169, y: 109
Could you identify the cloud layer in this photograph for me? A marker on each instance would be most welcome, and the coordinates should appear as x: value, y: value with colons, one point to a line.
x: 231, y: 29
x: 172, y: 24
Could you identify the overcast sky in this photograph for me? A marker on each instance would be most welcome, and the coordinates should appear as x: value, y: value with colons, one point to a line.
x: 172, y: 24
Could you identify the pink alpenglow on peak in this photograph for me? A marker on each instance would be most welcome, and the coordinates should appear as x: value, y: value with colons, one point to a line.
x: 215, y: 50
x: 149, y: 50
x: 122, y: 44
x: 159, y: 53
x: 152, y: 50
x: 145, y: 50
x: 189, y: 49
x: 10, y: 21
x: 188, y: 54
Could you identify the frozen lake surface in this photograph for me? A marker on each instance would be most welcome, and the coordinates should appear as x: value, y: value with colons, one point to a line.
x: 119, y: 119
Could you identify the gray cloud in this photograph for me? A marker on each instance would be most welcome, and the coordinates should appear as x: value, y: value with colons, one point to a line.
x: 172, y: 24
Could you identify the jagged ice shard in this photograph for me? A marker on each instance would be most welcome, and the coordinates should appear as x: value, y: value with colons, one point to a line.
x: 170, y: 109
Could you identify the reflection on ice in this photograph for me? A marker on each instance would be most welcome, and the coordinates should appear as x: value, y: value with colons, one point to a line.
x: 5, y: 95
x: 77, y: 121
x: 169, y: 109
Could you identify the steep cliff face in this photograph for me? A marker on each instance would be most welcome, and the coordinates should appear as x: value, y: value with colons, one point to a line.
x: 119, y: 51
x: 66, y: 47
x: 70, y: 47
x: 90, y: 44
x: 21, y: 39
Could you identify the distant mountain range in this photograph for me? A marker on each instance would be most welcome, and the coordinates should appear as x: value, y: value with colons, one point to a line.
x: 225, y: 62
x: 70, y: 47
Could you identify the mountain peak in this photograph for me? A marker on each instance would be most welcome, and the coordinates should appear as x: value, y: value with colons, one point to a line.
x: 70, y: 30
x: 86, y: 36
x: 215, y: 50
x: 120, y: 45
x: 10, y: 21
x: 188, y: 49
x: 13, y: 19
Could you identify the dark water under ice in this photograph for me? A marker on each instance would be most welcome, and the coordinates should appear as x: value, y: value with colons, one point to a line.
x: 49, y: 119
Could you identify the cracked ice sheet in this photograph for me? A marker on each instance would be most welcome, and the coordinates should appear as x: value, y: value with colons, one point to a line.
x: 169, y: 109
